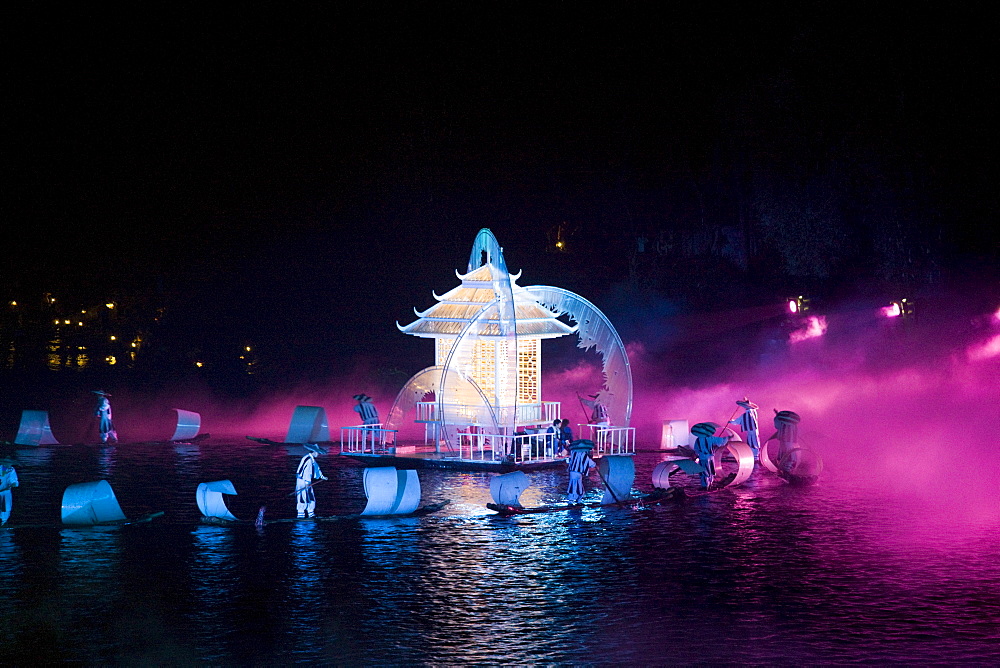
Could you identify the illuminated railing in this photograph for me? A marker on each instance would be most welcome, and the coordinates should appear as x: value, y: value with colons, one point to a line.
x: 525, y: 414
x: 366, y: 438
x: 611, y: 440
x: 522, y: 447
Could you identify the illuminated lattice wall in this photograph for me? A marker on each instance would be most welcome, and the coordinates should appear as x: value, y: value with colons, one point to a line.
x: 489, y: 361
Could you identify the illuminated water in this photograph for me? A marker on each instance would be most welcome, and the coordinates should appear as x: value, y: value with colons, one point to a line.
x: 765, y: 574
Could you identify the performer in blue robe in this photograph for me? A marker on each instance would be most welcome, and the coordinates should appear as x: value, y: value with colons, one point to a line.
x: 578, y: 465
x: 366, y: 409
x: 748, y: 425
x: 306, y: 476
x: 8, y: 480
x: 705, y: 445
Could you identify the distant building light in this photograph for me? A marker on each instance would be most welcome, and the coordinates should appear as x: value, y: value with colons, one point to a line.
x: 56, y: 322
x: 198, y: 364
x: 13, y: 303
x: 66, y: 321
x: 80, y: 323
x: 110, y: 304
x: 114, y: 338
x: 110, y: 359
x: 84, y: 312
x: 246, y: 348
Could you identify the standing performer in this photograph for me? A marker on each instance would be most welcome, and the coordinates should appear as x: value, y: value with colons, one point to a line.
x: 599, y: 412
x: 579, y: 465
x: 787, y: 424
x: 366, y: 409
x: 748, y: 424
x: 103, y: 413
x: 307, y: 475
x: 705, y: 446
x: 8, y: 480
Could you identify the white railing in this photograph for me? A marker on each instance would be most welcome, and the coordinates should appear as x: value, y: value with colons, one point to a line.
x: 611, y: 440
x: 523, y: 447
x: 526, y: 414
x: 366, y: 438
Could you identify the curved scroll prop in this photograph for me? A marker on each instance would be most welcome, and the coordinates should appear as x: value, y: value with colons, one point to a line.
x: 89, y: 503
x: 428, y: 381
x: 308, y: 425
x: 743, y: 454
x: 210, y: 500
x: 506, y: 489
x: 618, y: 474
x: 188, y: 424
x: 391, y: 492
x: 595, y: 331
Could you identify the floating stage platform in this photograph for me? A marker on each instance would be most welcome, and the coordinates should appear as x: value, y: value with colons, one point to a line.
x: 420, y: 457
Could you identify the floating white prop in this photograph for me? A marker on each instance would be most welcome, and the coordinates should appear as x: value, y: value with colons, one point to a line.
x: 35, y: 429
x: 8, y: 479
x: 391, y: 492
x: 90, y: 503
x: 308, y: 425
x: 211, y: 503
x: 506, y: 489
x: 743, y: 455
x: 617, y: 474
x: 661, y: 473
x: 188, y: 424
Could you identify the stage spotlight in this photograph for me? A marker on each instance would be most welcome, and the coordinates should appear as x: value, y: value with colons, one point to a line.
x: 798, y: 305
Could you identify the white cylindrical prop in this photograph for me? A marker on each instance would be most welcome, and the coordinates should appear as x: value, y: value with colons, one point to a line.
x: 90, y: 503
x: 188, y: 424
x: 506, y: 489
x: 618, y: 474
x: 210, y: 500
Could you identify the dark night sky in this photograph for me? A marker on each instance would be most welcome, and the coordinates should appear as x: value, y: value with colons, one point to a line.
x: 298, y: 166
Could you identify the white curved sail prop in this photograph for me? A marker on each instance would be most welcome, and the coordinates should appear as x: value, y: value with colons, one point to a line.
x: 506, y: 489
x: 89, y: 503
x: 308, y: 425
x: 595, y: 331
x: 617, y: 474
x: 34, y: 429
x: 661, y: 474
x: 210, y: 498
x: 496, y: 325
x: 391, y: 492
x: 188, y: 424
x: 6, y: 505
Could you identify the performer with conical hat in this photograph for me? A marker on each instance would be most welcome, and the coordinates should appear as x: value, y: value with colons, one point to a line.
x: 578, y: 465
x: 705, y: 445
x: 307, y: 475
x: 366, y: 409
x: 598, y: 411
x: 787, y: 424
x: 748, y: 424
x: 103, y: 413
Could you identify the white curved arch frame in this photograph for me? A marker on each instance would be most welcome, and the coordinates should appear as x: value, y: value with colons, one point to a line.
x: 210, y: 500
x: 595, y: 331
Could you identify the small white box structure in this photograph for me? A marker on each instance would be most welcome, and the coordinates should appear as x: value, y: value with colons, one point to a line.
x: 675, y: 433
x: 188, y: 424
x: 391, y: 492
x: 89, y: 503
x: 506, y: 489
x: 308, y: 425
x: 35, y: 429
x: 210, y: 500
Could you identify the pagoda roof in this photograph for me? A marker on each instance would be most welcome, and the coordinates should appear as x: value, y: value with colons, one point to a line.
x: 458, y: 306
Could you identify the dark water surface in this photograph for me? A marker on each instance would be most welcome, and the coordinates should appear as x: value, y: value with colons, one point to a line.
x: 762, y: 574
